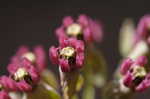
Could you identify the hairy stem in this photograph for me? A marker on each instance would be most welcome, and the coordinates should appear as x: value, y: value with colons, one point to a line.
x: 69, y: 83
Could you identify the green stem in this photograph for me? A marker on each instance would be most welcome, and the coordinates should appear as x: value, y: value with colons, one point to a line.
x: 69, y: 83
x: 116, y: 90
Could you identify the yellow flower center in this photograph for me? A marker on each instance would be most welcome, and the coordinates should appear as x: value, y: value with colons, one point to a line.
x: 20, y: 74
x: 74, y: 30
x: 139, y: 71
x: 67, y: 52
x: 30, y: 56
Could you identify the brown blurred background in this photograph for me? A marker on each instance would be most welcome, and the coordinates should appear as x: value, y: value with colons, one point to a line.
x: 33, y: 23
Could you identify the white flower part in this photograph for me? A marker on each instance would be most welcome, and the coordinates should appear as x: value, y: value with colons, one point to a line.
x: 67, y: 52
x: 126, y: 37
x: 20, y: 74
x: 74, y: 29
x: 62, y: 79
x: 139, y: 71
x: 30, y: 56
x: 48, y: 87
x: 140, y: 49
x: 15, y: 95
x: 24, y: 96
x: 123, y: 88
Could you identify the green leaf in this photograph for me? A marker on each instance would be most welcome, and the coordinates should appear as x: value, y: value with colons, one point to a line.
x: 71, y: 83
x: 88, y: 92
x: 116, y: 90
x: 43, y: 91
x: 75, y: 97
x: 95, y: 70
x: 80, y: 83
x: 48, y: 77
x: 126, y: 37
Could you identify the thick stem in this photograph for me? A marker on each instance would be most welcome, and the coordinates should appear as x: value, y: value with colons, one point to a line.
x: 116, y: 90
x: 69, y: 82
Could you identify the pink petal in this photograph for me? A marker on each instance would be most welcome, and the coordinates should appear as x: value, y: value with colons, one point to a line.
x: 23, y: 86
x: 142, y: 26
x: 22, y: 49
x: 64, y: 65
x: 96, y: 29
x: 53, y: 54
x: 40, y: 58
x: 128, y: 80
x: 4, y: 95
x: 87, y: 34
x: 67, y: 21
x: 61, y: 34
x: 12, y: 68
x: 83, y: 20
x: 79, y: 46
x: 142, y: 60
x: 126, y: 65
x: 8, y: 83
x: 79, y: 60
x: 144, y: 84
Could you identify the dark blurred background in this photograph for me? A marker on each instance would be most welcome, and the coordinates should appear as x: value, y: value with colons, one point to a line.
x: 33, y: 23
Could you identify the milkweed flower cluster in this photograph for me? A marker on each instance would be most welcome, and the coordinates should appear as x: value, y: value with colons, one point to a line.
x: 37, y: 56
x: 72, y: 36
x: 24, y: 71
x: 26, y: 65
x: 22, y: 77
x: 143, y: 29
x: 135, y: 74
x: 135, y: 71
x: 75, y: 50
x: 4, y: 95
x: 84, y: 28
x: 69, y: 55
x: 25, y: 74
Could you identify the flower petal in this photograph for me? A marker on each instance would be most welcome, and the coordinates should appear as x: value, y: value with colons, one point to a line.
x: 126, y: 65
x: 53, y: 55
x: 67, y: 21
x: 64, y: 65
x: 40, y: 58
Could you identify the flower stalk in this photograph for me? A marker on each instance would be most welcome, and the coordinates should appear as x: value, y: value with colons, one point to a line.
x: 69, y: 82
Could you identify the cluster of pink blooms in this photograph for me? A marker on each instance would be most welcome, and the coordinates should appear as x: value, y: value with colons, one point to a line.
x: 24, y: 71
x: 136, y: 74
x: 72, y: 36
x: 143, y: 29
x: 26, y: 65
x: 84, y: 28
x: 74, y: 60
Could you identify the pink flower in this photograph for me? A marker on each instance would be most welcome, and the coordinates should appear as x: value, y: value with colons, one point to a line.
x: 84, y: 28
x: 143, y: 29
x: 135, y: 74
x: 3, y: 90
x: 24, y: 76
x: 4, y: 95
x: 7, y: 83
x: 69, y: 55
x: 37, y: 56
